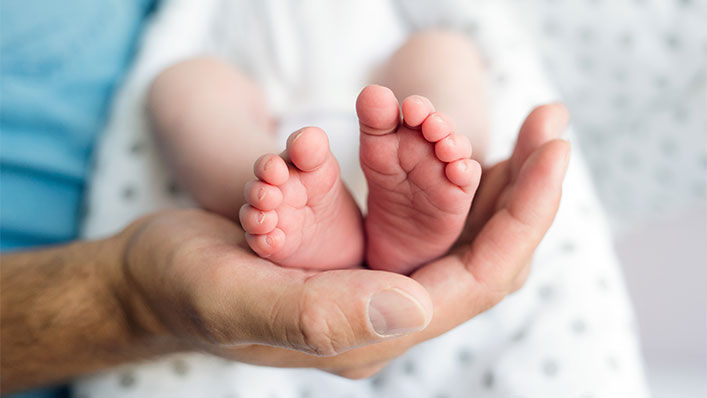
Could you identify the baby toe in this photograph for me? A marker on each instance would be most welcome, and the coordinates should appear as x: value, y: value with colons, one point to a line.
x: 436, y: 127
x: 267, y: 244
x: 453, y: 147
x: 308, y: 148
x: 416, y: 108
x: 377, y: 110
x: 464, y: 172
x: 261, y: 195
x: 255, y: 221
x: 271, y: 169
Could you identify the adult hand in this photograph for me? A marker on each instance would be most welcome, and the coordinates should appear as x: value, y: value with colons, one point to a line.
x: 184, y: 280
x: 197, y: 283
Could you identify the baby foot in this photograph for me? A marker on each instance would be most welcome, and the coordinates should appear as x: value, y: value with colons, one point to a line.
x: 298, y: 212
x: 421, y: 180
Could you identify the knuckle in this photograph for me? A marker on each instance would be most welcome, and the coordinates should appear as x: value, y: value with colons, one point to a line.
x: 323, y: 326
x: 317, y: 335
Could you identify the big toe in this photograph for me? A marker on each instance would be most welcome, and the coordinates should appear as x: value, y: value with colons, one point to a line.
x: 377, y: 110
x: 308, y: 148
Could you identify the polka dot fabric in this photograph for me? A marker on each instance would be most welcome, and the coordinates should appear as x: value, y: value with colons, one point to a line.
x: 569, y: 332
x: 634, y: 76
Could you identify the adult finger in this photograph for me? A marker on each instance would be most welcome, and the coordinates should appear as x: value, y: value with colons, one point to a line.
x: 543, y: 124
x: 479, y: 274
x: 511, y: 235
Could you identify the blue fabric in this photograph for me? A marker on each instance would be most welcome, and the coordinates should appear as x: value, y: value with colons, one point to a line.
x: 59, y: 63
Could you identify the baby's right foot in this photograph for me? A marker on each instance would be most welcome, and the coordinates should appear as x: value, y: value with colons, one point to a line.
x: 421, y: 180
x: 299, y: 213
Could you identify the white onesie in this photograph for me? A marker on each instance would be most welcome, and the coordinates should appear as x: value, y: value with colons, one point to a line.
x: 569, y: 332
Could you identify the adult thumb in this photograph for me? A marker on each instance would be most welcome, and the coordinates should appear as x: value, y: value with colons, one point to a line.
x: 331, y: 312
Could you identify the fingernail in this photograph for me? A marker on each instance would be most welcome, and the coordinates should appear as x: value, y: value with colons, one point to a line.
x: 393, y: 312
x: 297, y: 135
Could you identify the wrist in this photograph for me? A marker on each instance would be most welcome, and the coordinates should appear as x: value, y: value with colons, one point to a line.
x: 143, y: 327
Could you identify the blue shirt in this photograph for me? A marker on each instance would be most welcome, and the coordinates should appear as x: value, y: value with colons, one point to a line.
x: 59, y: 63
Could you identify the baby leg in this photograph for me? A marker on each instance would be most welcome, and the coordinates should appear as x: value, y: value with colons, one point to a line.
x: 212, y: 124
x: 445, y: 67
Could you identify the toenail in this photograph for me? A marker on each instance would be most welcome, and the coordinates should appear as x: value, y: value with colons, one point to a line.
x: 465, y: 166
x: 297, y: 135
x: 267, y: 163
x: 261, y: 193
x: 268, y: 240
x: 261, y: 217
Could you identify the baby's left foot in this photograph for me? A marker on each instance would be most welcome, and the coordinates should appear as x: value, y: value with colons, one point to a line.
x: 421, y: 180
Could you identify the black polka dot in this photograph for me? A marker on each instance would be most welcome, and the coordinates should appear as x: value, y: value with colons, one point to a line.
x: 620, y: 101
x: 409, y: 367
x: 551, y: 27
x: 703, y: 160
x: 378, y: 381
x: 612, y: 363
x: 626, y: 40
x: 464, y: 356
x: 137, y: 147
x: 680, y: 115
x: 305, y: 393
x: 660, y: 81
x: 620, y: 75
x: 568, y: 247
x: 180, y: 367
x: 546, y: 292
x: 585, y: 63
x: 173, y: 189
x: 585, y: 209
x: 664, y: 176
x: 603, y: 284
x: 519, y: 335
x: 128, y: 192
x: 586, y: 34
x: 444, y: 22
x: 673, y: 42
x: 471, y: 28
x: 630, y: 161
x: 488, y: 380
x: 578, y: 326
x: 668, y: 147
x: 550, y: 367
x: 126, y: 380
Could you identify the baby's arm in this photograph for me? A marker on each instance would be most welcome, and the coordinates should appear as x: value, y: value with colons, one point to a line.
x: 211, y: 124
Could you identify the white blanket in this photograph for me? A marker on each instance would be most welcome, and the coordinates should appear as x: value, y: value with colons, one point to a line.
x: 568, y: 333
